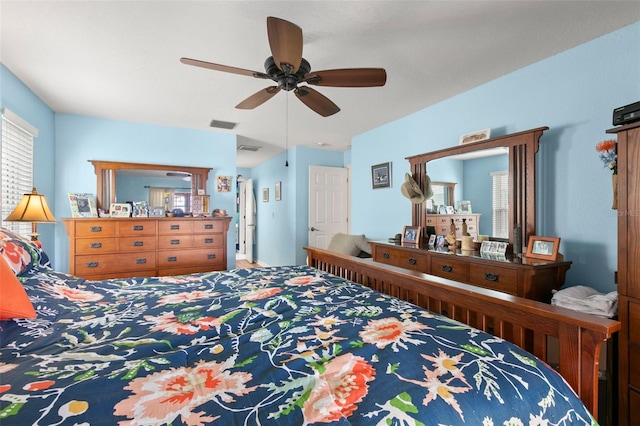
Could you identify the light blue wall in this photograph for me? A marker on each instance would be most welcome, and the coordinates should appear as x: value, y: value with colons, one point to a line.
x: 81, y: 138
x: 574, y: 94
x: 477, y: 180
x: 281, y: 229
x: 17, y: 97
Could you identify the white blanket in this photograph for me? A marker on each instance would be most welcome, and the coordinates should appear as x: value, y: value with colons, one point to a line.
x: 586, y: 299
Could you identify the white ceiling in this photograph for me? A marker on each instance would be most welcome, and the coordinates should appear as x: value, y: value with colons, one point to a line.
x: 120, y: 59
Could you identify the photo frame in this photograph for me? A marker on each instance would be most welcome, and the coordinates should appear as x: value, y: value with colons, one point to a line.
x: 464, y: 207
x: 545, y: 248
x: 224, y: 183
x: 411, y: 234
x: 450, y: 210
x: 432, y: 241
x: 83, y: 205
x: 265, y: 195
x: 156, y: 211
x: 477, y: 136
x: 441, y: 243
x: 278, y: 193
x: 140, y: 209
x: 200, y: 205
x: 381, y: 175
x: 120, y: 210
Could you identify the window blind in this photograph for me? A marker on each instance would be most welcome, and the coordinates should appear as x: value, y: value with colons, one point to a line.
x: 16, y: 167
x: 500, y: 186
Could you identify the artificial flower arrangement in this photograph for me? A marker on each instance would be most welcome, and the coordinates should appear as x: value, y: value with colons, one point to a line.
x: 608, y: 154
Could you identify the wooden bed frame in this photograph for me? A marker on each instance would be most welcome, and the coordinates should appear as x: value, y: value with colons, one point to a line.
x: 527, y: 323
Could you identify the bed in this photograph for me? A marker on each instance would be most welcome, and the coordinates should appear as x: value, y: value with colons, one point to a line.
x: 283, y: 345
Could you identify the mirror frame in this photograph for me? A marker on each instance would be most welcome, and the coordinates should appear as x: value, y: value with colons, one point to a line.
x: 106, y: 177
x: 522, y: 147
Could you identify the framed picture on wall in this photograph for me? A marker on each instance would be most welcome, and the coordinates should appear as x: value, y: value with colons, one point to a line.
x: 381, y: 175
x: 278, y: 194
x: 265, y: 195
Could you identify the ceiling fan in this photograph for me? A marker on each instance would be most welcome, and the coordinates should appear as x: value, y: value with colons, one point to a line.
x: 289, y: 69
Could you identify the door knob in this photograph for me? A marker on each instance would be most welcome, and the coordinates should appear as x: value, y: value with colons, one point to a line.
x: 314, y: 229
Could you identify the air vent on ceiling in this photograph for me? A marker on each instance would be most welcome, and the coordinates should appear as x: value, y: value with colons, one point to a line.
x: 253, y: 148
x: 223, y: 124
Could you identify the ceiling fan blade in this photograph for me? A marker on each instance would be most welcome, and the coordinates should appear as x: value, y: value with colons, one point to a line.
x: 258, y: 98
x: 285, y: 40
x: 223, y: 68
x: 316, y: 101
x: 348, y: 77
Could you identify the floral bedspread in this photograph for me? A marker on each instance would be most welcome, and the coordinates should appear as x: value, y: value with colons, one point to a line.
x: 265, y: 346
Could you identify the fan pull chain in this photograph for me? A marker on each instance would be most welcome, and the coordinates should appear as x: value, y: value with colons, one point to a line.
x: 286, y: 131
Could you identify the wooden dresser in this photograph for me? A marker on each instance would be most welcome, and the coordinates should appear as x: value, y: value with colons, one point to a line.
x: 442, y: 223
x: 513, y: 275
x: 629, y: 272
x: 127, y: 247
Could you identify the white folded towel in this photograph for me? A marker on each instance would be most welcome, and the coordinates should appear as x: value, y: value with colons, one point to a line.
x: 586, y: 299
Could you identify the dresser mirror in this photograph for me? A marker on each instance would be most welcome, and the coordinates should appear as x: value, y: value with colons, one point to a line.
x: 520, y: 150
x: 109, y: 173
x: 471, y: 178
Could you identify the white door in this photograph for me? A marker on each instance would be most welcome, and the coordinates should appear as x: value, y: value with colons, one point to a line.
x: 250, y: 218
x: 328, y: 204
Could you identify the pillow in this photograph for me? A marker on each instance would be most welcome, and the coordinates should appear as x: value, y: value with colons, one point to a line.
x: 349, y: 244
x: 14, y: 302
x: 21, y: 254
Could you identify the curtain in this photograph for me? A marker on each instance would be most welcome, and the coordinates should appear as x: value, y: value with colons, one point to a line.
x: 161, y: 197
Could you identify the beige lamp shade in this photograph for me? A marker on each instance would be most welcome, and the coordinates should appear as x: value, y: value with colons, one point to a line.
x: 32, y: 208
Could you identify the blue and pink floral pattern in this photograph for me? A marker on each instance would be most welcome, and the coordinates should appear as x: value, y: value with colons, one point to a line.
x: 287, y: 345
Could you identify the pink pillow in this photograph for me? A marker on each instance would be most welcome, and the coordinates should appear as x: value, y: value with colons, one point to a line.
x: 14, y: 302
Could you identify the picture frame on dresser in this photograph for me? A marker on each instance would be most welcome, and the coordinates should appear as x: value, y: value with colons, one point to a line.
x: 120, y: 210
x: 411, y: 234
x: 545, y: 248
x: 140, y: 209
x: 83, y: 205
x: 156, y: 211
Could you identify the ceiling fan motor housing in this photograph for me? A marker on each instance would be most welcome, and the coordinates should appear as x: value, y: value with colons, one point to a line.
x: 286, y: 81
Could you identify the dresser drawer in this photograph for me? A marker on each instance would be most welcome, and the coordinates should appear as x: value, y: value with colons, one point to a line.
x: 96, y: 245
x: 208, y: 240
x: 136, y: 243
x: 205, y: 226
x: 449, y: 267
x: 95, y: 228
x: 170, y: 227
x: 387, y: 255
x: 175, y: 241
x: 494, y: 278
x: 107, y: 263
x: 416, y: 261
x: 180, y: 258
x: 128, y: 228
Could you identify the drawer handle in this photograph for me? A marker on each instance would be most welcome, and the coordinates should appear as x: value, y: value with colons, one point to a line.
x: 96, y: 245
x: 138, y: 243
x: 175, y: 227
x: 491, y: 277
x: 96, y: 229
x: 175, y: 242
x: 138, y: 227
x: 447, y: 268
x: 385, y: 255
x: 92, y: 264
x: 141, y: 261
x: 208, y: 240
x: 208, y: 226
x: 211, y: 256
x: 413, y: 261
x: 172, y: 259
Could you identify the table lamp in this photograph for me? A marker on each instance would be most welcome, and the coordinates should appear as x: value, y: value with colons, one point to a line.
x: 32, y: 208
